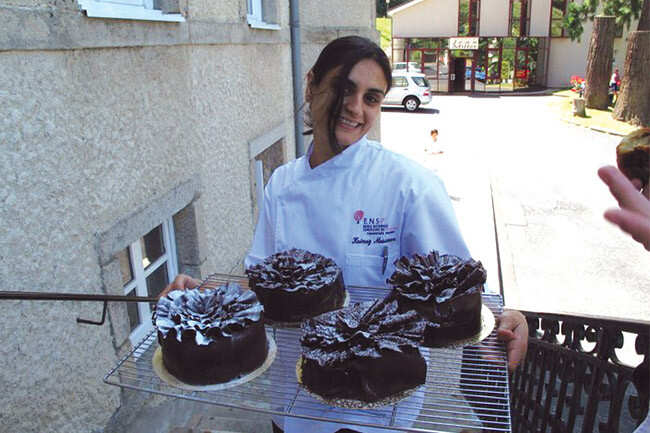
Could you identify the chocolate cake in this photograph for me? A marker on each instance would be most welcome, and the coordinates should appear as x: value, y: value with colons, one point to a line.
x: 445, y: 290
x: 211, y: 336
x: 296, y: 284
x: 366, y: 352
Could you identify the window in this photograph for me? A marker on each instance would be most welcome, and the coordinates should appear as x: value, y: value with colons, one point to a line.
x: 399, y: 82
x: 558, y: 11
x: 147, y: 266
x: 468, y: 17
x: 261, y: 14
x: 519, y: 18
x: 148, y: 10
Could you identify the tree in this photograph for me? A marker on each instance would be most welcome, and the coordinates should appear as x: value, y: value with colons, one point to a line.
x: 633, y: 104
x: 624, y: 11
x: 599, y: 62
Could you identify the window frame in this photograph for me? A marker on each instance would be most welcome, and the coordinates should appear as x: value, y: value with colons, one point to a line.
x: 256, y: 17
x: 138, y: 282
x: 470, y: 16
x: 524, y: 18
x: 551, y: 20
x: 142, y: 10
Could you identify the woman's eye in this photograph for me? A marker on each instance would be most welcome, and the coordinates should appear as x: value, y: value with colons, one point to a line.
x: 372, y: 99
x: 347, y: 91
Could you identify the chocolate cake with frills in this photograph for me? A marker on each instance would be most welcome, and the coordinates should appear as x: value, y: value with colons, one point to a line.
x: 296, y: 284
x: 445, y: 290
x: 211, y: 336
x: 365, y: 352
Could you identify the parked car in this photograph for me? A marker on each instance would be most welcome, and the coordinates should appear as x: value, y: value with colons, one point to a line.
x: 409, y: 89
x: 401, y: 66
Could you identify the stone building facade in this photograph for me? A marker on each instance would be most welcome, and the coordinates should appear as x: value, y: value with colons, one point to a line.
x: 128, y: 148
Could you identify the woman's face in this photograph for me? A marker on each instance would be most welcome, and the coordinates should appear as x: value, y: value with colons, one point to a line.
x: 365, y: 89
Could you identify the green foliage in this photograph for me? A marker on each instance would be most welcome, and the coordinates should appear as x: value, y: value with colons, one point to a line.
x: 384, y: 28
x: 382, y: 9
x: 623, y: 10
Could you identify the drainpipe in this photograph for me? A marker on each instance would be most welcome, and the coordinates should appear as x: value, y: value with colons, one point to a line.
x: 297, y: 78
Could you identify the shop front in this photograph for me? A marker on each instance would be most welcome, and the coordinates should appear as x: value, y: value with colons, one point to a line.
x: 476, y: 64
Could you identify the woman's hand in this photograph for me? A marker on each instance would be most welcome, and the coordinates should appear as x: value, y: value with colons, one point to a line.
x: 181, y: 282
x: 633, y: 216
x: 513, y: 330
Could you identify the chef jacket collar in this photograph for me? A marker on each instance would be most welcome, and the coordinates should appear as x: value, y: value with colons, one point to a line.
x: 345, y: 159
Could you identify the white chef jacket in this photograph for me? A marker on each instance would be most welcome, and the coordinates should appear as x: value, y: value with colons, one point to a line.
x: 364, y: 208
x: 352, y: 206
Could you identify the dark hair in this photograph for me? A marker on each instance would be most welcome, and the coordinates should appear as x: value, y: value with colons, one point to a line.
x: 434, y: 131
x: 345, y: 52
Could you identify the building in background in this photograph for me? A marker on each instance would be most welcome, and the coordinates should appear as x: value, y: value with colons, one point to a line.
x: 491, y: 46
x: 135, y: 137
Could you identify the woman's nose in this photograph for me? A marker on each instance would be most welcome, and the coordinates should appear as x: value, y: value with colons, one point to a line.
x: 353, y: 103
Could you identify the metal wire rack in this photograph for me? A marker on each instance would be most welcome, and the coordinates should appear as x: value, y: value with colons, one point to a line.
x: 466, y: 388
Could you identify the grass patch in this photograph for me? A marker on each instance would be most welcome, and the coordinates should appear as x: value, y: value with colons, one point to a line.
x: 596, y: 119
x: 384, y: 28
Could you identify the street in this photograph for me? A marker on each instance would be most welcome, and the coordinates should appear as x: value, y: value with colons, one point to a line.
x: 506, y: 160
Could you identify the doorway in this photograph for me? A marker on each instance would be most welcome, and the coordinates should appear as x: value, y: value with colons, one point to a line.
x: 459, y: 75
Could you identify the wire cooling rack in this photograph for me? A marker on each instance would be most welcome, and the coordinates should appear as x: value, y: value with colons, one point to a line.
x: 466, y: 388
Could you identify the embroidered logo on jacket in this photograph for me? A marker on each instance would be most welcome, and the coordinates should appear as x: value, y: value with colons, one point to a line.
x: 374, y: 230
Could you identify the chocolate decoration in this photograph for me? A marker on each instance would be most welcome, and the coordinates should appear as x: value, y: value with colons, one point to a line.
x: 365, y: 352
x: 296, y: 284
x: 207, y: 314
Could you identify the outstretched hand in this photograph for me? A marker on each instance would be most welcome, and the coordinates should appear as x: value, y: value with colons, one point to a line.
x: 633, y: 216
x: 512, y: 329
x: 181, y: 282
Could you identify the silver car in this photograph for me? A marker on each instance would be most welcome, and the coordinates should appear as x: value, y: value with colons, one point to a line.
x: 409, y: 89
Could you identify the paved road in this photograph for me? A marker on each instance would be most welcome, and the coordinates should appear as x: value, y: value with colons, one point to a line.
x: 557, y: 252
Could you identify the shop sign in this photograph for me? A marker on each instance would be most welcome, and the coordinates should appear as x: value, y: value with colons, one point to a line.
x: 463, y: 43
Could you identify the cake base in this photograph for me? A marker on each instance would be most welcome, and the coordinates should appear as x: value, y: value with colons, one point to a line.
x: 167, y: 377
x: 277, y: 324
x: 353, y: 404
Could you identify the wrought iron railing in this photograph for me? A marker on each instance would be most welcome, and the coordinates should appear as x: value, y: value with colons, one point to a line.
x: 573, y: 378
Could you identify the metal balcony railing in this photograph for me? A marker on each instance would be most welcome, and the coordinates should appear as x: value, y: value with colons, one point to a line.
x: 573, y: 378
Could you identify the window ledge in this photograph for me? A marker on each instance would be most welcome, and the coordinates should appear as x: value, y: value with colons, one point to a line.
x: 95, y: 9
x: 257, y: 24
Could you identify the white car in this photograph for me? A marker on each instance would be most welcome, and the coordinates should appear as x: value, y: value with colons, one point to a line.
x: 408, y: 89
x: 401, y: 67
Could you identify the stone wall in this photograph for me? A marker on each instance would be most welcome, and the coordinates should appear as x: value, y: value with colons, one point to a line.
x: 109, y: 127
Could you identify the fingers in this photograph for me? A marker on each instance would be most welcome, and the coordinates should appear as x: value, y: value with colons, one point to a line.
x: 513, y: 330
x: 632, y: 223
x: 624, y: 191
x: 181, y: 282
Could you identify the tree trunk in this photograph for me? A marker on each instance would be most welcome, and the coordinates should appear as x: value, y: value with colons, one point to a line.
x: 599, y: 62
x: 644, y: 19
x: 633, y: 104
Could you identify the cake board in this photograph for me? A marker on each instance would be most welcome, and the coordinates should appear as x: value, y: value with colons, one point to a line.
x: 167, y: 377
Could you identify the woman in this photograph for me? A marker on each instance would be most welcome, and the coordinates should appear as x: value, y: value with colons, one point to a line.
x: 352, y: 200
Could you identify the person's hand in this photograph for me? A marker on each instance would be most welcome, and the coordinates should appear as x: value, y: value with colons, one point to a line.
x: 512, y: 329
x: 633, y: 216
x: 181, y: 282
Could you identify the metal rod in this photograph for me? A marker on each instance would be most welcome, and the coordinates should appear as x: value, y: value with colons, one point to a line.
x: 57, y: 296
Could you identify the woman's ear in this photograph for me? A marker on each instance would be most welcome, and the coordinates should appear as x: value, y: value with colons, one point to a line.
x: 310, y: 77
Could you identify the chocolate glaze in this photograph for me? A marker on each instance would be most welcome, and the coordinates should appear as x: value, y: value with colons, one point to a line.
x: 211, y: 336
x: 445, y: 290
x: 296, y: 284
x: 365, y: 352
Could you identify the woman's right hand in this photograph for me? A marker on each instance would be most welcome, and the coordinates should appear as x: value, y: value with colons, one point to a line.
x: 181, y: 282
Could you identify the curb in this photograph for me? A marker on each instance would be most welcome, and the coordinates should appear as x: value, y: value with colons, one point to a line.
x: 593, y: 128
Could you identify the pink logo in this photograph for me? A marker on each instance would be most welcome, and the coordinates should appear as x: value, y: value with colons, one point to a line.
x: 358, y: 215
